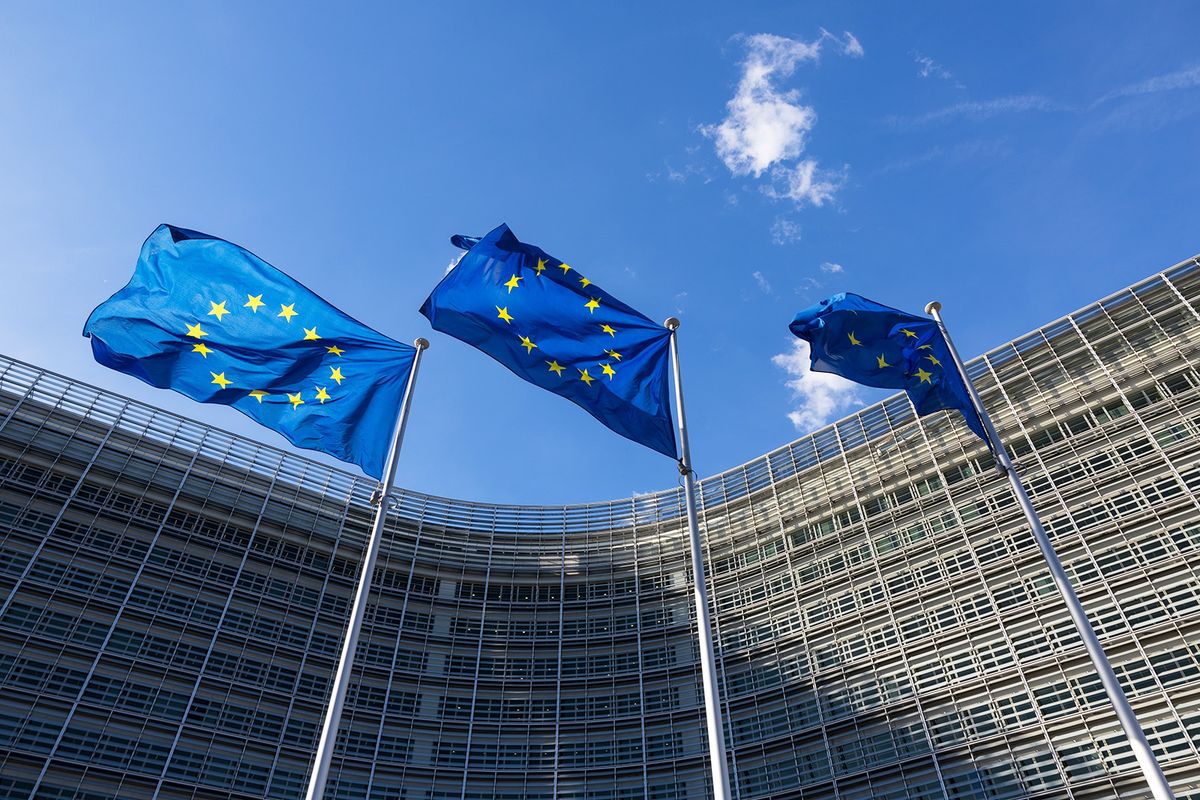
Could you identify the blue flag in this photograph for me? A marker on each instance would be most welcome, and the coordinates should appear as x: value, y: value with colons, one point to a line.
x: 215, y: 322
x: 556, y: 329
x: 879, y: 346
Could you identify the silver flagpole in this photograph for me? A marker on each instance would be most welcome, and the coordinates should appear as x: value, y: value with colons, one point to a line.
x: 333, y: 715
x: 708, y: 659
x: 1133, y: 729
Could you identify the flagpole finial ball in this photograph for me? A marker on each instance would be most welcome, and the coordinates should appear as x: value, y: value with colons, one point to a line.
x: 672, y: 323
x: 421, y: 343
x: 932, y: 306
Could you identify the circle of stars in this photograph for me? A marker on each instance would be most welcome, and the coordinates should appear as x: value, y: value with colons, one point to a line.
x: 287, y: 311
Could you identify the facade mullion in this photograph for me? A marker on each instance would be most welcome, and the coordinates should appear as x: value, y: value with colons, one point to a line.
x: 212, y: 647
x: 116, y: 620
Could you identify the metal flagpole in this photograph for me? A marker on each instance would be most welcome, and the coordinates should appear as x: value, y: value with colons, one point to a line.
x: 1133, y: 729
x: 333, y: 715
x: 708, y: 659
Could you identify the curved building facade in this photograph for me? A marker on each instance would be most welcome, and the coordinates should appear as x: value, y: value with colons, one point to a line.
x: 173, y: 600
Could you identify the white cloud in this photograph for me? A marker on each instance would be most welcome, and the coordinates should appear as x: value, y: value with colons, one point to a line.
x: 851, y: 46
x: 765, y: 130
x: 764, y: 125
x: 763, y: 283
x: 930, y: 68
x: 806, y: 286
x: 454, y: 262
x: 680, y: 300
x: 831, y: 267
x: 785, y: 231
x: 685, y: 173
x: 821, y: 397
x: 805, y: 183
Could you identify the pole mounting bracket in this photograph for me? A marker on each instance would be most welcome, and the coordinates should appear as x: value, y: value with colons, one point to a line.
x: 387, y: 500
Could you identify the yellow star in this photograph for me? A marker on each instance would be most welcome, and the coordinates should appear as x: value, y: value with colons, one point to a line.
x: 253, y: 301
x: 933, y: 360
x: 925, y: 347
x: 564, y: 268
x: 924, y: 376
x: 541, y: 266
x: 310, y: 334
x: 513, y: 283
x: 607, y: 329
x: 853, y: 340
x: 528, y: 345
x: 609, y: 371
x: 504, y: 315
x: 882, y: 362
x: 322, y: 395
x: 556, y: 368
x: 586, y: 283
x: 220, y: 380
x: 195, y: 332
x: 583, y: 376
x: 613, y: 354
x: 287, y: 311
x: 335, y: 374
x: 218, y: 310
x: 908, y: 334
x: 202, y: 349
x: 592, y: 305
x: 295, y: 400
x: 258, y: 394
x: 337, y: 351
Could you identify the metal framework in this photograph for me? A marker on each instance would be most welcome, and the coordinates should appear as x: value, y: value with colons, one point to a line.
x: 172, y: 599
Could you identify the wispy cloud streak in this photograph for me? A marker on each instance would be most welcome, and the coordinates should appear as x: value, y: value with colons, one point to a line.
x: 785, y: 231
x: 1182, y: 79
x: 1187, y: 78
x: 984, y: 109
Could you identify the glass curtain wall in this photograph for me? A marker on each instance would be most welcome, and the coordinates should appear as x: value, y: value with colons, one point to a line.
x: 172, y: 601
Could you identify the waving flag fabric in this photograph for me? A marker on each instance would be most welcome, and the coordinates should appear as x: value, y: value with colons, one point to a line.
x: 215, y: 322
x: 879, y: 346
x: 557, y: 329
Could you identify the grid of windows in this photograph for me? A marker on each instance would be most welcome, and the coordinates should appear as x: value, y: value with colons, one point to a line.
x: 172, y: 600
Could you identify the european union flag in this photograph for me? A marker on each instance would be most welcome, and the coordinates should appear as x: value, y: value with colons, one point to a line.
x: 556, y: 329
x: 879, y: 346
x: 215, y: 322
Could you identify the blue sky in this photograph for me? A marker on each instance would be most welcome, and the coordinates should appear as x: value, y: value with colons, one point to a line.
x: 725, y: 163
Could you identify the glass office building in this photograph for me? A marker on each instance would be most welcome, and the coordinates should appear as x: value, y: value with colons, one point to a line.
x: 173, y: 599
